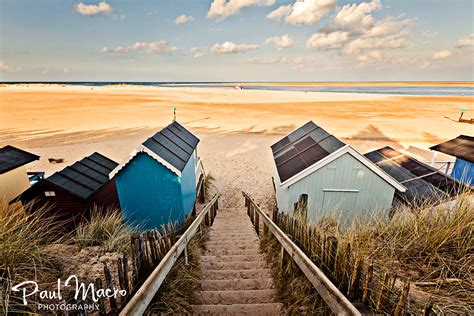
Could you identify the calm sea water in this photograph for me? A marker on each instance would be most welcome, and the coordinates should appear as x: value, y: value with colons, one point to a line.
x: 451, y: 90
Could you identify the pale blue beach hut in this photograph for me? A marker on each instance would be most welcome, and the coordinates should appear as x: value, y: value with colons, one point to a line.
x: 331, y: 177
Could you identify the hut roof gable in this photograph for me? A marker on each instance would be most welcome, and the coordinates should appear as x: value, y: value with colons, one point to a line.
x: 172, y: 147
x: 303, y: 148
x: 12, y: 157
x: 84, y: 177
x: 424, y: 183
x: 460, y: 147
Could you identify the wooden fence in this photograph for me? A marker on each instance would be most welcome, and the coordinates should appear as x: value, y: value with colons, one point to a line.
x: 362, y: 281
x: 333, y: 298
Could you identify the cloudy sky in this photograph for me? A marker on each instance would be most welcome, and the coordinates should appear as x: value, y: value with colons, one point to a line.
x: 236, y: 40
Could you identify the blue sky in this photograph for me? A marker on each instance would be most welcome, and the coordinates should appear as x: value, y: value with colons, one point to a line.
x: 236, y: 40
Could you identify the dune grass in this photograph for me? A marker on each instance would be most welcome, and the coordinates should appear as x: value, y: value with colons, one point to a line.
x: 23, y: 238
x: 106, y: 229
x: 430, y: 246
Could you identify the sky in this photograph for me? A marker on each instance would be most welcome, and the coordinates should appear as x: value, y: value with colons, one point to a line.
x: 236, y: 40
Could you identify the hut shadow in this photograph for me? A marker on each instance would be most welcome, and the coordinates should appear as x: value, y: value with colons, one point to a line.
x: 372, y: 138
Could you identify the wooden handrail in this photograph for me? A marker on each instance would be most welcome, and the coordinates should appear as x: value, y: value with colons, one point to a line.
x: 142, y: 298
x: 336, y: 301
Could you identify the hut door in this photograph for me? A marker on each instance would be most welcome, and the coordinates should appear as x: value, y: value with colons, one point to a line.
x: 340, y: 203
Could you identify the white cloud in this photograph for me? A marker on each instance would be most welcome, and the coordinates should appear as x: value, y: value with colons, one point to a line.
x: 6, y: 67
x: 327, y: 41
x: 221, y: 9
x: 442, y: 54
x: 303, y: 11
x: 195, y: 52
x: 161, y: 47
x: 268, y: 61
x: 467, y: 41
x: 183, y: 19
x: 92, y: 9
x: 388, y: 26
x: 390, y: 41
x: 280, y: 42
x: 354, y: 17
x: 232, y: 48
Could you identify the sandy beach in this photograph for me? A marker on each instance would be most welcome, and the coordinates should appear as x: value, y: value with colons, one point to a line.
x: 236, y: 127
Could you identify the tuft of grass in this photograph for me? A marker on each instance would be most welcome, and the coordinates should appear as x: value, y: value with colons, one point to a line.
x: 106, y: 229
x: 208, y: 181
x: 23, y: 238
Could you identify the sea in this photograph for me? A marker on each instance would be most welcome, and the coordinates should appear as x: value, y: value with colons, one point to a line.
x: 423, y: 90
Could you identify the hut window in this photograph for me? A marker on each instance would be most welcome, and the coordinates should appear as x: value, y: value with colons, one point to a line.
x: 49, y: 193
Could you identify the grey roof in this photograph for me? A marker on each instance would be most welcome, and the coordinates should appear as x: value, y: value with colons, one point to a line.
x: 461, y: 147
x: 424, y: 183
x: 12, y: 157
x: 303, y: 148
x: 174, y: 143
x: 84, y: 177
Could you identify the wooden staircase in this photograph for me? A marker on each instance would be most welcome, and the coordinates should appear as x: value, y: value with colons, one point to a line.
x: 235, y: 277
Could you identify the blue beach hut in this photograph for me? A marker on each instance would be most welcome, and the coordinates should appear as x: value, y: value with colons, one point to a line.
x: 157, y: 183
x: 461, y: 147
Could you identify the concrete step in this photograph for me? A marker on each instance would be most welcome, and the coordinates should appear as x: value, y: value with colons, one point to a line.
x: 236, y: 297
x: 232, y: 258
x: 245, y: 265
x: 254, y: 247
x: 267, y: 309
x: 237, y: 284
x: 228, y: 252
x: 235, y: 274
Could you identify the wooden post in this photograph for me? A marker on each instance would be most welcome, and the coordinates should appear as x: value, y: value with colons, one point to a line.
x: 402, y: 301
x: 125, y: 272
x: 110, y: 286
x: 98, y: 285
x: 265, y: 230
x: 257, y: 223
x: 332, y: 251
x: 282, y: 258
x: 381, y: 296
x: 368, y: 280
x: 354, y: 284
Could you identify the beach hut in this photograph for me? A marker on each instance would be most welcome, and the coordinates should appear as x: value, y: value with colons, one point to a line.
x: 157, y: 183
x: 425, y: 184
x: 461, y: 147
x: 329, y: 177
x: 71, y: 194
x: 13, y: 174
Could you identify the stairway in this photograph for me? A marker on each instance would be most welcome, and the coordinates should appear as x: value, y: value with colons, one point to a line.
x: 235, y: 278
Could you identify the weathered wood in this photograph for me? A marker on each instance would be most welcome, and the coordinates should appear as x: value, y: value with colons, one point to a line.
x: 368, y: 281
x: 382, y: 292
x: 355, y: 278
x: 257, y: 224
x: 282, y: 259
x: 402, y: 300
x: 125, y: 272
x: 110, y: 286
x: 331, y: 253
x: 100, y: 302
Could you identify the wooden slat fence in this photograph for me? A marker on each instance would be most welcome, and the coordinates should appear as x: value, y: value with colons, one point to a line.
x: 363, y: 282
